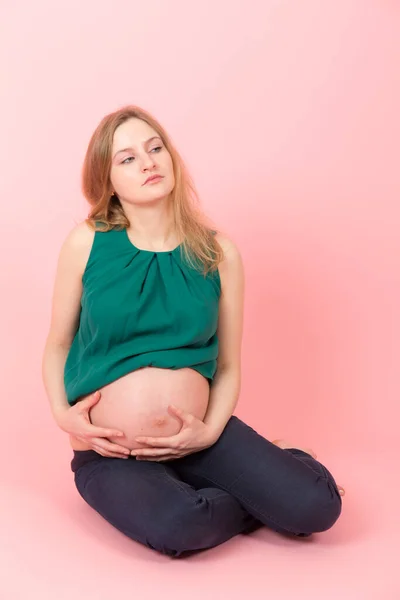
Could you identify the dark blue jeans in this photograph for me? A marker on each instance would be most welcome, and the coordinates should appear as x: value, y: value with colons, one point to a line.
x: 239, y: 484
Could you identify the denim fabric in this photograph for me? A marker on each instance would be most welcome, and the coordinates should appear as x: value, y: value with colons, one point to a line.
x: 239, y: 484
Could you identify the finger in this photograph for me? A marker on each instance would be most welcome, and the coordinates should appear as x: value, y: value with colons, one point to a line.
x: 159, y: 442
x: 92, y: 399
x: 109, y: 446
x: 152, y: 452
x: 179, y: 412
x: 173, y: 456
x: 121, y: 451
x: 108, y: 454
x: 101, y: 432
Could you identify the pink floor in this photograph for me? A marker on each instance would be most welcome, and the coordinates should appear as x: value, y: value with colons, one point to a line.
x: 54, y: 546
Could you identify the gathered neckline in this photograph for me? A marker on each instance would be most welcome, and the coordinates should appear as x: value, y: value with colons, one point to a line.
x: 149, y: 251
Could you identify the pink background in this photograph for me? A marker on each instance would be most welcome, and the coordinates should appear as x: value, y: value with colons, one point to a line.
x: 287, y: 114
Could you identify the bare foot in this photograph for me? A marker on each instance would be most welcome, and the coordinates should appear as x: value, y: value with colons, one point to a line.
x: 284, y: 445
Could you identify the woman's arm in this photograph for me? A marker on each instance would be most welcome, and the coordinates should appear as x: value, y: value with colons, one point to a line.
x: 53, y: 362
x: 65, y: 310
x: 224, y: 396
x: 225, y: 388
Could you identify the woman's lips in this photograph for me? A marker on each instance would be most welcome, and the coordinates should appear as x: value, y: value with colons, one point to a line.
x: 154, y: 180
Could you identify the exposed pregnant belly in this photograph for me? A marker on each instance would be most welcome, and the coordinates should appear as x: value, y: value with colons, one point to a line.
x: 136, y: 404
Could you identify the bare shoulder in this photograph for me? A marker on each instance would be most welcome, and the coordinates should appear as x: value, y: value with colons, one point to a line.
x: 232, y: 255
x: 231, y: 269
x: 78, y: 244
x: 80, y: 236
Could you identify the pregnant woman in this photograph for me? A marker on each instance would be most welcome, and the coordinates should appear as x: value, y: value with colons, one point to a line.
x: 142, y: 361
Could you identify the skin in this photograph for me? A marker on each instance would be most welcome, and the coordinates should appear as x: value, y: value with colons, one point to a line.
x: 147, y: 206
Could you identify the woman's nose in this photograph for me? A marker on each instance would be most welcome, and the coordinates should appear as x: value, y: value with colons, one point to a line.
x: 147, y: 162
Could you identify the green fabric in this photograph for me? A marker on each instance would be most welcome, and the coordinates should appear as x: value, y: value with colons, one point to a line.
x: 140, y: 308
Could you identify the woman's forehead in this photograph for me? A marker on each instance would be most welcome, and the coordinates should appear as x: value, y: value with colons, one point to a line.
x: 133, y: 132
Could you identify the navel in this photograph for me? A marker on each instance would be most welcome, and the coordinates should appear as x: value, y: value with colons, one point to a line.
x: 160, y: 421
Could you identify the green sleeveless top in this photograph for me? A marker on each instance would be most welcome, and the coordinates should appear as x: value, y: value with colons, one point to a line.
x: 140, y: 308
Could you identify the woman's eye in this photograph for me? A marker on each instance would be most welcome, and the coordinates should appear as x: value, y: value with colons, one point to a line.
x: 158, y: 148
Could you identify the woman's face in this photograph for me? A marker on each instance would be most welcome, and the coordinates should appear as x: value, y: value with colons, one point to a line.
x: 137, y: 153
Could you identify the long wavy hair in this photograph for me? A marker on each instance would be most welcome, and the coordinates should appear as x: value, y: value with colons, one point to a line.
x: 199, y: 245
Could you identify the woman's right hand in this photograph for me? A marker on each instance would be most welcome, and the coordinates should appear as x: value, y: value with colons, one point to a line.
x: 75, y: 421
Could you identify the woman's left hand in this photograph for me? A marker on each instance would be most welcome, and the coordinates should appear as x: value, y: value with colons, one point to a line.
x: 193, y: 436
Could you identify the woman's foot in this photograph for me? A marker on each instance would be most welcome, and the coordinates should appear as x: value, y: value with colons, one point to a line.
x: 284, y: 445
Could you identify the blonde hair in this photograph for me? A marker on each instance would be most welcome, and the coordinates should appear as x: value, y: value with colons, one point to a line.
x: 191, y: 225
